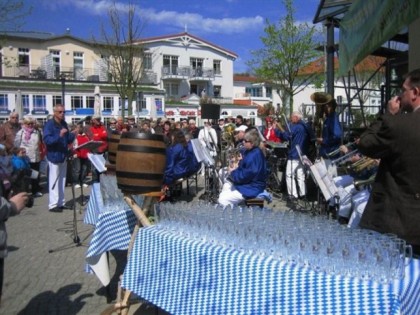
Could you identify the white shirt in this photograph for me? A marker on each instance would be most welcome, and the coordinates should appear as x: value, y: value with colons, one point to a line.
x: 208, y: 139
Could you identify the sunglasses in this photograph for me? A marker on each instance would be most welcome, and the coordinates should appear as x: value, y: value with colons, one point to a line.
x: 59, y: 111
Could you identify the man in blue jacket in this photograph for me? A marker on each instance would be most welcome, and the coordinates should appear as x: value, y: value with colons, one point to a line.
x: 300, y: 136
x: 248, y: 179
x: 57, y: 137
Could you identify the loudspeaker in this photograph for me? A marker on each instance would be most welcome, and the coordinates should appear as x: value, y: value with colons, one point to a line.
x: 210, y: 111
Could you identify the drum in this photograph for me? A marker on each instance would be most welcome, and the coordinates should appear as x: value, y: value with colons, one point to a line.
x: 140, y: 163
x: 113, y: 141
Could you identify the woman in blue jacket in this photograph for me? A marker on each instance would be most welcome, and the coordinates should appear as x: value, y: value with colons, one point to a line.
x: 177, y: 158
x: 248, y: 179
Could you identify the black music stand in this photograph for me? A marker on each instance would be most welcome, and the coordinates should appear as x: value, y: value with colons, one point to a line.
x: 91, y: 145
x: 211, y: 178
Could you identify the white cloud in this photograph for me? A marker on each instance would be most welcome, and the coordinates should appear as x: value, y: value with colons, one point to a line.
x: 194, y: 21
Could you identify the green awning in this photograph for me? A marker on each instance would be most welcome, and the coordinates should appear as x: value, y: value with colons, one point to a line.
x: 369, y: 24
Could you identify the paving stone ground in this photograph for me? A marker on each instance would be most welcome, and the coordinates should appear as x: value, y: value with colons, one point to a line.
x: 44, y: 272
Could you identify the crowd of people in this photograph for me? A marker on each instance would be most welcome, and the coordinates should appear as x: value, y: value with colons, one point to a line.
x: 392, y: 205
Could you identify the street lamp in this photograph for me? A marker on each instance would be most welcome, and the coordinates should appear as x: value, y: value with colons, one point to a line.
x: 63, y: 88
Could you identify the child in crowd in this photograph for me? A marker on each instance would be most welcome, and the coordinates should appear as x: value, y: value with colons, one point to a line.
x: 21, y: 171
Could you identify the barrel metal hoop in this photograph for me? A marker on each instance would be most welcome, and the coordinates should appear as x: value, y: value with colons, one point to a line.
x: 140, y: 149
x: 133, y: 175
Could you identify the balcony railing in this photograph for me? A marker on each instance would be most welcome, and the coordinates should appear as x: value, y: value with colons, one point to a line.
x: 36, y: 72
x: 187, y: 72
x: 149, y: 77
x: 202, y: 74
x: 174, y: 72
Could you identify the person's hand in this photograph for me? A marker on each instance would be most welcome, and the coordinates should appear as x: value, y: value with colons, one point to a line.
x: 63, y: 131
x: 343, y: 149
x: 394, y: 105
x: 19, y: 201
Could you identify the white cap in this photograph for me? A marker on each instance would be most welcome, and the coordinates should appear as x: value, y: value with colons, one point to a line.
x: 241, y: 128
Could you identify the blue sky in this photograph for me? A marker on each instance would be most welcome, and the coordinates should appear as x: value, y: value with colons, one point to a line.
x: 232, y: 24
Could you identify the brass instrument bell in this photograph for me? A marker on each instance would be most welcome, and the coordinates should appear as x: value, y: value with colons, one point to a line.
x: 320, y: 99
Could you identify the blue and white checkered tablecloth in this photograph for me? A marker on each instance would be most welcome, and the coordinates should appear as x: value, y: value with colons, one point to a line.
x: 95, y: 205
x: 184, y: 276
x: 113, y: 231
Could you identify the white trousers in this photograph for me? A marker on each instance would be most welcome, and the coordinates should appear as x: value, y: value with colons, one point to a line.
x: 229, y: 195
x: 56, y: 184
x: 294, y: 172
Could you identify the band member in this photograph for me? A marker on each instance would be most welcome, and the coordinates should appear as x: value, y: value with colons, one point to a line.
x: 299, y: 136
x: 248, y: 179
x: 331, y: 131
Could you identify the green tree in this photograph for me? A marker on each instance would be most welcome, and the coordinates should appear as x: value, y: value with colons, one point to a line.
x: 288, y: 47
x: 124, y: 54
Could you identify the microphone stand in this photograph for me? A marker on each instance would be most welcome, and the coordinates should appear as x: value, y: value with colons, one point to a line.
x: 75, y: 234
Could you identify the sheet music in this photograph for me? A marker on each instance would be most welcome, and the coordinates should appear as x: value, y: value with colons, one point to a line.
x: 202, y: 154
x: 322, y: 178
x: 98, y: 161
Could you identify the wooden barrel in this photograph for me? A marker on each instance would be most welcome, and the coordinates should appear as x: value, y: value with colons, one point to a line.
x: 113, y: 141
x: 140, y: 164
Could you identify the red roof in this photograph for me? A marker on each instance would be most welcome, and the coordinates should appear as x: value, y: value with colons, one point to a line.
x: 242, y: 102
x: 370, y: 63
x: 244, y: 78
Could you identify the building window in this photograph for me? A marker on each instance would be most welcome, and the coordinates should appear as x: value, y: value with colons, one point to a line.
x: 254, y: 91
x: 57, y: 100
x: 170, y: 64
x: 76, y: 102
x: 108, y: 103
x: 90, y: 101
x: 4, y: 102
x: 23, y: 56
x: 268, y: 92
x: 56, y: 63
x: 147, y: 62
x: 217, y: 90
x: 217, y: 67
x: 25, y: 103
x: 197, y: 66
x: 39, y: 102
x: 78, y: 65
x: 171, y: 89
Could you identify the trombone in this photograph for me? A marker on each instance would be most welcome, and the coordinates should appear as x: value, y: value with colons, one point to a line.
x: 365, y: 163
x: 336, y: 151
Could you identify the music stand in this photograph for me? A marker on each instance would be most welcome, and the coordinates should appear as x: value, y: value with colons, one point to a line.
x: 204, y: 156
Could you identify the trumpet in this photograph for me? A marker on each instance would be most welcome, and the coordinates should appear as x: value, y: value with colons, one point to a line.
x: 344, y: 158
x: 337, y: 151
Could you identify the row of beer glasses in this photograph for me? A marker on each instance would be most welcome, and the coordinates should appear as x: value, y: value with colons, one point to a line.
x: 113, y: 198
x: 292, y: 237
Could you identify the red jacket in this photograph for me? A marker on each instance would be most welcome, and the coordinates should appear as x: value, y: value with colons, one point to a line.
x: 99, y: 134
x: 81, y: 139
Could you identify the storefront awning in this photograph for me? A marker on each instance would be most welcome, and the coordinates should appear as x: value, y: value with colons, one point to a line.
x: 369, y: 24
